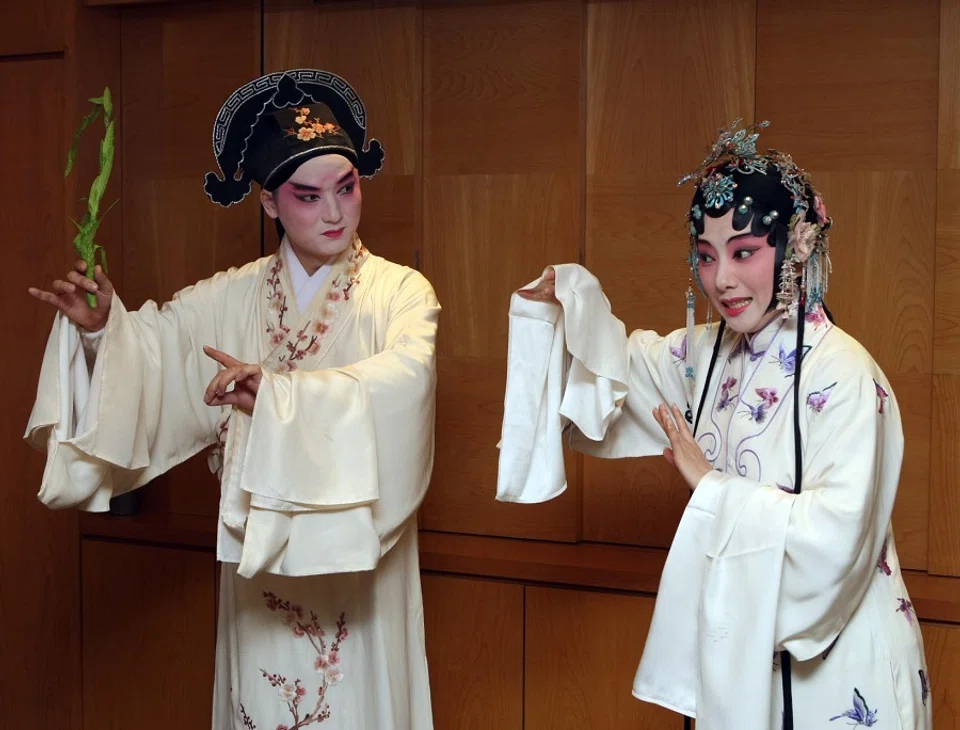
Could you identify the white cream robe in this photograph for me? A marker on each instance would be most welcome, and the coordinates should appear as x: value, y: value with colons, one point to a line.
x: 321, y: 618
x: 753, y: 568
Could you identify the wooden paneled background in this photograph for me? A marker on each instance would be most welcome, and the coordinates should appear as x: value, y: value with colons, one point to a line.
x: 518, y: 134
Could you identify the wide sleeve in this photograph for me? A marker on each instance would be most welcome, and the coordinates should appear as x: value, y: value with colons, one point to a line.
x: 138, y: 412
x: 338, y: 460
x: 566, y: 369
x: 836, y: 525
x: 572, y: 370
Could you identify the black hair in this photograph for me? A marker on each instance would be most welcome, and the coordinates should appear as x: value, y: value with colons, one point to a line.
x: 757, y: 196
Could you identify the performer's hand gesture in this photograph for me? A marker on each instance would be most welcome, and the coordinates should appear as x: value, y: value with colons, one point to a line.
x: 545, y: 291
x: 70, y: 297
x: 245, y: 379
x: 684, y: 452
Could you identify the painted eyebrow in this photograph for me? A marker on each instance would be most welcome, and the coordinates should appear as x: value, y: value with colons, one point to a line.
x: 732, y: 238
x: 299, y: 187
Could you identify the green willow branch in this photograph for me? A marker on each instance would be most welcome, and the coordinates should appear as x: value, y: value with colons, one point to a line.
x: 84, y: 242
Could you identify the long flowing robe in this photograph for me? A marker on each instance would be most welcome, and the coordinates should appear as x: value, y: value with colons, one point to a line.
x: 753, y: 569
x: 321, y: 618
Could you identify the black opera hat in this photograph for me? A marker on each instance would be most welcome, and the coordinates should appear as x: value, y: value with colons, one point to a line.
x: 270, y: 126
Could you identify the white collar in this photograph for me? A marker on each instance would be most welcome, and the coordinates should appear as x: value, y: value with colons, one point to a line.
x: 305, y: 286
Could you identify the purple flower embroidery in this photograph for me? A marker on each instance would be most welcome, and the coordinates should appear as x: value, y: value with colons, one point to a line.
x: 906, y: 607
x: 882, y: 564
x: 818, y: 399
x: 882, y: 396
x: 924, y: 687
x: 860, y: 714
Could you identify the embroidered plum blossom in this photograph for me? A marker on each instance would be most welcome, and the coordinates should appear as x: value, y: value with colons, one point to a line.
x: 328, y: 664
x: 245, y: 718
x: 288, y: 692
x: 306, y: 342
x: 310, y: 128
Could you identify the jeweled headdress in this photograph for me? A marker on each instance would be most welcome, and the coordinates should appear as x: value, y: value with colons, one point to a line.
x: 807, y: 246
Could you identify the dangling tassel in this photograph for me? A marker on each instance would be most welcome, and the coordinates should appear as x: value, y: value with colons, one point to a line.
x: 788, y: 294
x: 688, y: 354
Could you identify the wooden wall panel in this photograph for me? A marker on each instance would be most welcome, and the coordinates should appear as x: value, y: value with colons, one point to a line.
x: 875, y: 164
x: 582, y: 650
x: 148, y: 637
x: 942, y: 649
x: 948, y: 143
x: 175, y: 79
x: 461, y: 496
x: 39, y: 593
x: 832, y: 108
x: 502, y: 198
x: 39, y: 26
x: 883, y: 247
x: 298, y: 33
x: 661, y: 79
x: 944, y: 503
x: 944, y: 491
x: 93, y: 62
x: 475, y: 653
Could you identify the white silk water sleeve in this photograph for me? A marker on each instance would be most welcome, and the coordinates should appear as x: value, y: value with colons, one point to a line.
x: 566, y: 364
x: 139, y: 412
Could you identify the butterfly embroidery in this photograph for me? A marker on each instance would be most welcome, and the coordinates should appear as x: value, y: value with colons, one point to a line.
x: 818, y: 399
x: 768, y: 398
x: 924, y: 687
x: 726, y: 397
x: 882, y: 564
x: 860, y: 714
x: 882, y: 396
x: 680, y: 353
x: 906, y: 607
x: 788, y: 362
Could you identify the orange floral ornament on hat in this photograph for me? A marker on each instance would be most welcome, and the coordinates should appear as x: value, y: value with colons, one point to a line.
x: 310, y: 128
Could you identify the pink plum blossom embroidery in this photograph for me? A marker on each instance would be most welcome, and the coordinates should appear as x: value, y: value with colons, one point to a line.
x: 292, y: 692
x: 306, y: 341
